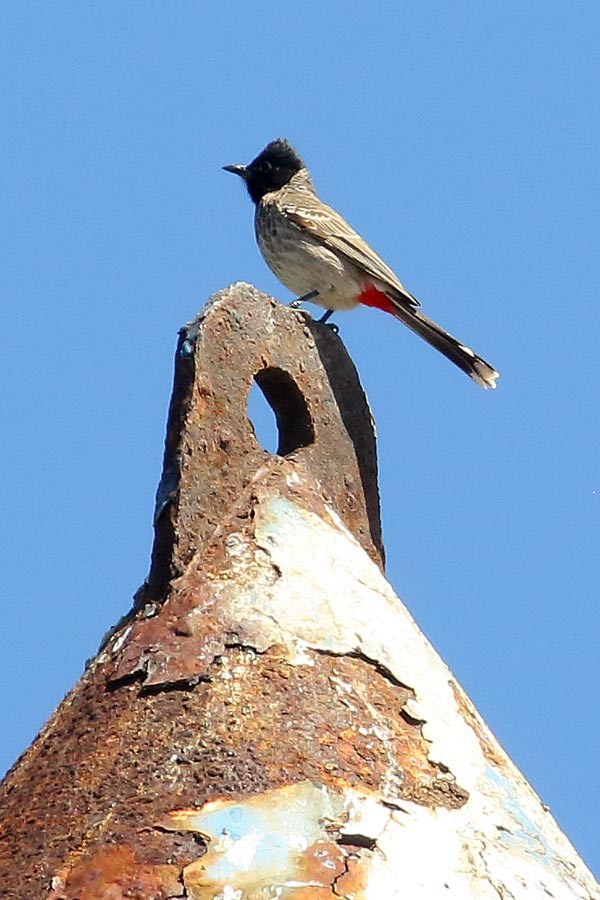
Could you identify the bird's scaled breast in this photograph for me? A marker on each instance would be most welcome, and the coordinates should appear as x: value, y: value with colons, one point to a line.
x: 302, y: 264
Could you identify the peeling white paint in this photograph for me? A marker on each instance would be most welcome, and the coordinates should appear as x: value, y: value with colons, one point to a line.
x: 307, y: 583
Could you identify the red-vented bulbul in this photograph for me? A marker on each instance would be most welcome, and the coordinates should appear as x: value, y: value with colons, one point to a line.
x: 317, y: 255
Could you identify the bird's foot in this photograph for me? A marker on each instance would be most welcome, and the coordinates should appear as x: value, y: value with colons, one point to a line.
x: 297, y: 303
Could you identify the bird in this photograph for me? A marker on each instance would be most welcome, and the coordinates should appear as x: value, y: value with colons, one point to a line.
x: 318, y: 256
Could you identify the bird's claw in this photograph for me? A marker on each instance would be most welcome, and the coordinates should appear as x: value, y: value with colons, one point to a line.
x: 297, y: 303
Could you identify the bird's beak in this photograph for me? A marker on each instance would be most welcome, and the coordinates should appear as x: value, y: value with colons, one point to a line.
x: 242, y: 171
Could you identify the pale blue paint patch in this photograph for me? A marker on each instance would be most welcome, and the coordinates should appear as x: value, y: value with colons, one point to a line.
x: 283, y: 518
x: 259, y: 841
x: 525, y: 837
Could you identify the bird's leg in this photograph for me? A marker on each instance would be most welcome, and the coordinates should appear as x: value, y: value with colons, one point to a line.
x: 297, y: 303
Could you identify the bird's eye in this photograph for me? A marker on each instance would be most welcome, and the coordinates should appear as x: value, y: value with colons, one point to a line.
x: 265, y: 166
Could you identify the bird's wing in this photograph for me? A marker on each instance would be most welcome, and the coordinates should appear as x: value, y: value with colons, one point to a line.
x: 326, y: 226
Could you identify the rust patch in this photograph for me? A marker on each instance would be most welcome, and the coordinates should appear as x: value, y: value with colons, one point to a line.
x: 352, y: 883
x: 322, y: 863
x: 491, y: 749
x: 115, y: 873
x: 328, y: 737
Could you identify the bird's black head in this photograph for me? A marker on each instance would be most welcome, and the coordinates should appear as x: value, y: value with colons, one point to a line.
x: 272, y: 168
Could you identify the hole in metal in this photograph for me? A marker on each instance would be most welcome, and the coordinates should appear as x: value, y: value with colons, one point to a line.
x: 293, y: 424
x: 263, y: 419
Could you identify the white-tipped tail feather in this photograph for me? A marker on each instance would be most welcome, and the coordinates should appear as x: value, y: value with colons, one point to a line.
x: 475, y: 367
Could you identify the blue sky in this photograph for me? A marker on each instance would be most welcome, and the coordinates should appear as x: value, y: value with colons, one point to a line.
x: 462, y: 140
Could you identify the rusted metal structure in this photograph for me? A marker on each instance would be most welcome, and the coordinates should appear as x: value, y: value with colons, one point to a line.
x: 268, y: 721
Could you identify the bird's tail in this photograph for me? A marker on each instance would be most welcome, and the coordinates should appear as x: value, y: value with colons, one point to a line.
x: 463, y: 357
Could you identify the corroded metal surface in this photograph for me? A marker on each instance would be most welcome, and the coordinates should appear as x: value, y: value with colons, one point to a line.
x: 212, y: 454
x: 269, y: 721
